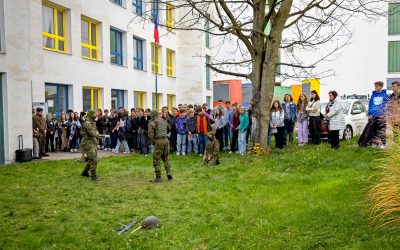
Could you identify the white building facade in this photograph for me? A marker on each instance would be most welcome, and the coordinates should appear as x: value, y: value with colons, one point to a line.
x: 79, y: 55
x: 393, y: 32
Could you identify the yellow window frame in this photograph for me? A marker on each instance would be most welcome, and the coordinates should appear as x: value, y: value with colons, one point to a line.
x: 170, y: 21
x: 155, y: 58
x: 140, y: 99
x: 171, y: 102
x: 159, y: 96
x: 92, y: 89
x: 55, y: 36
x: 170, y: 63
x: 90, y: 46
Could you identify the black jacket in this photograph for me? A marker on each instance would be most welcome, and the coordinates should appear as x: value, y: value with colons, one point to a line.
x: 143, y: 123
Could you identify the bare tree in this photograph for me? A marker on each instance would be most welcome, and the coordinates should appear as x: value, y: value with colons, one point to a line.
x: 262, y: 28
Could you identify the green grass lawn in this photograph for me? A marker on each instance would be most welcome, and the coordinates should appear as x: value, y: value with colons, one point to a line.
x: 299, y: 198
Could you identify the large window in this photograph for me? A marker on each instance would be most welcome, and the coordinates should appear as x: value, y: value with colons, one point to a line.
x: 208, y: 73
x: 138, y: 55
x: 171, y: 102
x: 117, y: 98
x: 394, y: 18
x: 394, y: 57
x: 53, y: 28
x: 170, y: 22
x: 170, y: 62
x: 116, y: 47
x: 157, y: 101
x: 56, y: 96
x: 139, y: 99
x: 137, y: 6
x: 155, y: 58
x: 91, y: 98
x: 89, y: 33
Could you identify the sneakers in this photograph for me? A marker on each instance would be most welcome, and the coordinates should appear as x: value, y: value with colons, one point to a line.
x: 177, y: 153
x: 183, y: 153
x: 146, y: 155
x: 71, y: 150
x: 374, y: 145
x: 382, y: 146
x: 75, y: 150
x: 127, y: 152
x: 230, y: 152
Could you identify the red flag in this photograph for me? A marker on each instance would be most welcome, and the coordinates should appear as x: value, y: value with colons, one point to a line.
x: 156, y: 34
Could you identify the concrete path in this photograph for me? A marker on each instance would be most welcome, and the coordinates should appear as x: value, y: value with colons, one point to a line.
x: 68, y: 155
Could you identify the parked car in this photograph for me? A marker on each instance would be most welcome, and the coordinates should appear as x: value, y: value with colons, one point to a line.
x: 356, y: 118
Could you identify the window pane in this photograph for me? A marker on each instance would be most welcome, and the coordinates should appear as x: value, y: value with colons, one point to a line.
x: 118, y: 42
x: 60, y: 23
x: 51, y: 95
x: 85, y: 31
x: 48, y: 42
x: 94, y: 54
x: 112, y: 40
x: 96, y: 99
x: 61, y: 45
x: 63, y: 99
x: 94, y: 30
x: 47, y: 22
x: 85, y: 52
x: 86, y: 99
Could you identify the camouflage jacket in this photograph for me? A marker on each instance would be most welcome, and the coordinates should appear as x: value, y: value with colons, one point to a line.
x: 158, y: 129
x: 39, y: 123
x: 89, y: 131
x: 212, y: 149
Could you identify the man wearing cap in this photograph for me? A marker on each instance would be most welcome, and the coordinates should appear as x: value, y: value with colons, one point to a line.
x: 90, y: 137
x: 39, y: 123
x: 158, y: 130
x: 212, y: 149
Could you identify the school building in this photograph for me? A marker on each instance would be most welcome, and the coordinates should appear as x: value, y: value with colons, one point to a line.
x: 80, y: 55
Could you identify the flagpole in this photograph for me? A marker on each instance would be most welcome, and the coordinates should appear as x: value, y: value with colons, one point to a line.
x: 157, y: 63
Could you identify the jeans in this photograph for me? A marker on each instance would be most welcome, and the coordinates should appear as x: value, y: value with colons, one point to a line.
x: 35, y: 147
x: 202, y: 142
x: 279, y: 137
x: 107, y: 143
x: 334, y: 138
x: 227, y: 134
x: 193, y: 144
x: 269, y: 136
x: 289, y: 127
x: 242, y: 142
x: 234, y: 142
x: 181, y: 144
x: 144, y: 141
x: 302, y: 131
x: 126, y: 147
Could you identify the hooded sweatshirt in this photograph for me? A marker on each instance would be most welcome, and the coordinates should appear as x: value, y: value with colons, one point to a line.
x: 377, y: 103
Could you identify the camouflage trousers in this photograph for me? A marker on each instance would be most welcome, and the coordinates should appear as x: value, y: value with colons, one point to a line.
x: 161, y: 153
x: 212, y: 162
x: 42, y: 144
x: 89, y: 155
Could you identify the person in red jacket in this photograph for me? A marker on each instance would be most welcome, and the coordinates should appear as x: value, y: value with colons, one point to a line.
x: 203, y: 125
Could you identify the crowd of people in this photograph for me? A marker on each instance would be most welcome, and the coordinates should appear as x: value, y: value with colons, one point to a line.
x: 190, y: 124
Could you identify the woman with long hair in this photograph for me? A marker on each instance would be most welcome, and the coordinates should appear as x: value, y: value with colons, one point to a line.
x: 314, y: 118
x: 73, y: 127
x: 219, y: 126
x: 335, y: 116
x: 234, y: 128
x: 278, y: 123
x: 289, y: 108
x: 302, y: 120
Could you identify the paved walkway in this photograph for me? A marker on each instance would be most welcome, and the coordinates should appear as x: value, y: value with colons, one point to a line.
x: 68, y: 155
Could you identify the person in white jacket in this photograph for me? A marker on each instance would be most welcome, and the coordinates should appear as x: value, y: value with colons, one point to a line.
x: 335, y: 116
x: 277, y: 123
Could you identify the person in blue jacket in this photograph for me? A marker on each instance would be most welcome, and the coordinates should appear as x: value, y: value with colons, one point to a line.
x: 290, y: 110
x: 376, y: 112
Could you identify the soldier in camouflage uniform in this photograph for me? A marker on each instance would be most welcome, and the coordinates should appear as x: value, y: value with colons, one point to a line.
x: 158, y: 130
x: 211, y: 152
x: 40, y: 124
x: 90, y: 137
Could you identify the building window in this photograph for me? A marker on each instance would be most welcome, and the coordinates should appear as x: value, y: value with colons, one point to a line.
x: 91, y: 98
x: 89, y: 33
x: 118, y: 2
x: 155, y: 7
x: 157, y: 102
x: 171, y: 102
x: 208, y: 73
x: 208, y: 101
x: 155, y: 58
x: 206, y: 33
x: 138, y: 56
x: 56, y: 96
x: 170, y: 22
x: 170, y: 62
x: 53, y: 26
x: 394, y: 57
x: 117, y: 98
x: 394, y: 18
x: 116, y: 47
x: 139, y: 99
x: 138, y: 7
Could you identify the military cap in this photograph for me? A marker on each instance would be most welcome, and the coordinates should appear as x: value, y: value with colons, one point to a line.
x: 39, y: 109
x: 154, y: 114
x: 91, y: 114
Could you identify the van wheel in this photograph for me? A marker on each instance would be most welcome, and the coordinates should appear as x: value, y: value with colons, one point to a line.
x: 348, y: 133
